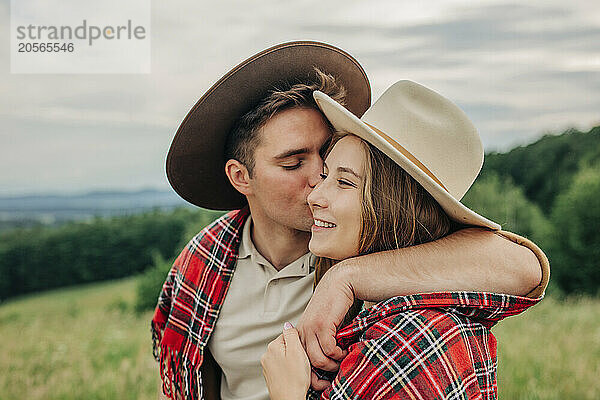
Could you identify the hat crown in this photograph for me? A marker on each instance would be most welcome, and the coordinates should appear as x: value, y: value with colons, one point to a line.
x: 427, y: 136
x: 196, y: 159
x: 433, y: 130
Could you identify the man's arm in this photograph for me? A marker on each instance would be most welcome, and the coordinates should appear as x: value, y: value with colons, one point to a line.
x: 471, y: 259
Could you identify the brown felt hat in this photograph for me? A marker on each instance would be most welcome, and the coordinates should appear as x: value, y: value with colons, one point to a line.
x: 196, y: 160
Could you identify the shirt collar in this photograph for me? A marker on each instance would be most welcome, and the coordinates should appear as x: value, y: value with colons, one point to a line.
x: 246, y: 244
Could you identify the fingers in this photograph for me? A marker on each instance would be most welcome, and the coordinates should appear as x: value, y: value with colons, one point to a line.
x: 290, y: 334
x: 291, y: 341
x: 318, y: 384
x: 276, y: 346
x: 329, y: 346
x: 285, y: 366
x: 316, y: 356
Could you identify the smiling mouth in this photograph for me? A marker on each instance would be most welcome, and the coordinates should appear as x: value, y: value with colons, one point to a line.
x: 324, y: 224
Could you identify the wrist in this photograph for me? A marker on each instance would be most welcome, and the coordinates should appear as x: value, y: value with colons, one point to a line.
x: 343, y: 276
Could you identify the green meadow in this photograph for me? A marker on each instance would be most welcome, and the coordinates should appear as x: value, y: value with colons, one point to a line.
x: 87, y: 342
x: 83, y: 342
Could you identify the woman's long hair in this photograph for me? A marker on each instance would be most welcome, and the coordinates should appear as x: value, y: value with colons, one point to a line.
x: 396, y: 211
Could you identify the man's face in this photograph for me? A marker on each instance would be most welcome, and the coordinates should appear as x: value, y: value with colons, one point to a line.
x: 287, y: 167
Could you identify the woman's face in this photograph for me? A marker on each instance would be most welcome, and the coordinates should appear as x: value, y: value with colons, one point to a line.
x: 336, y: 201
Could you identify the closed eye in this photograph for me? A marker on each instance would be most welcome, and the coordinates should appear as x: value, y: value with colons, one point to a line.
x: 292, y: 167
x: 346, y: 183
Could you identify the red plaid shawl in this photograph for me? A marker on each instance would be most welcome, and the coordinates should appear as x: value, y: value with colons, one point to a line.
x: 189, y: 303
x: 426, y: 346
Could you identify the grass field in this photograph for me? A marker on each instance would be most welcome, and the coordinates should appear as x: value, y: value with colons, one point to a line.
x: 79, y: 343
x: 86, y: 343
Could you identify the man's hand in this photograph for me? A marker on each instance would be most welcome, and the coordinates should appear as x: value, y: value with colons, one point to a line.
x: 318, y: 325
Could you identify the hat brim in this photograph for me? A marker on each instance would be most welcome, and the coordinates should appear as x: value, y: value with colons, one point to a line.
x: 343, y: 120
x: 196, y: 159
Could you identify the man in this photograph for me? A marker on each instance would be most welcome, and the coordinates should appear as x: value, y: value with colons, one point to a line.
x: 253, y: 143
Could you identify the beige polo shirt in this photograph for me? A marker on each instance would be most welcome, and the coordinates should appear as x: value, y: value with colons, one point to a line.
x: 259, y: 301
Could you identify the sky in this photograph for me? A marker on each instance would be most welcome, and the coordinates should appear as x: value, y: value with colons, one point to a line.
x: 518, y: 69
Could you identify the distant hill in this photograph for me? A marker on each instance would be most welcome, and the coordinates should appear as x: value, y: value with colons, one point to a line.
x: 45, y: 209
x: 545, y: 168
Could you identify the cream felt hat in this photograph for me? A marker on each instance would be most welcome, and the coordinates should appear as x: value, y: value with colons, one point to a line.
x: 425, y: 134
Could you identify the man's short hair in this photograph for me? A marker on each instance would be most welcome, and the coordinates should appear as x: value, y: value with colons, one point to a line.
x: 244, y: 138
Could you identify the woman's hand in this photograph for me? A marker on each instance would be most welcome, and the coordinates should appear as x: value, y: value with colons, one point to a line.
x: 285, y: 366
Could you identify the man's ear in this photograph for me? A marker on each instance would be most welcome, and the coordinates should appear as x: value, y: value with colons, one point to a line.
x: 238, y: 176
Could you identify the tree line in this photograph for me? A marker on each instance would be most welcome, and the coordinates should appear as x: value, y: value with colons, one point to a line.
x: 42, y: 258
x: 548, y: 191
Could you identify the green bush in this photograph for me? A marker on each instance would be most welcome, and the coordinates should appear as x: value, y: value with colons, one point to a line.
x: 575, y: 249
x: 546, y: 168
x: 499, y: 199
x: 150, y: 283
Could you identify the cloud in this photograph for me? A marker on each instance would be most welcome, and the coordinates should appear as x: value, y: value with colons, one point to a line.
x: 518, y: 70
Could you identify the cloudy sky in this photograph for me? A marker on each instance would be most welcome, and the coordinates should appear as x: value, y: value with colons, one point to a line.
x: 519, y: 70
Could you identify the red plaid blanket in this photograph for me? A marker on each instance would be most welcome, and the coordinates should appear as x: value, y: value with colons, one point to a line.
x: 190, y: 301
x: 427, y: 346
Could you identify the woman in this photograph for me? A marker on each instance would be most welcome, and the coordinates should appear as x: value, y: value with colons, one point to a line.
x: 394, y: 179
